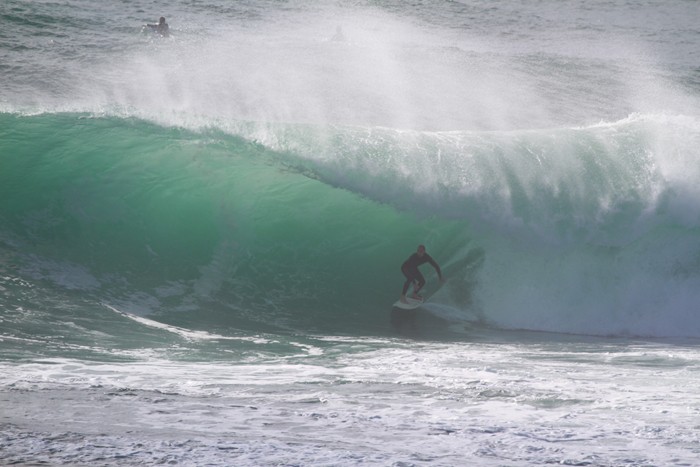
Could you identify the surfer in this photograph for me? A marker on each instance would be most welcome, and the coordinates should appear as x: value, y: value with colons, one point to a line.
x: 413, y: 276
x: 160, y: 28
x: 339, y: 36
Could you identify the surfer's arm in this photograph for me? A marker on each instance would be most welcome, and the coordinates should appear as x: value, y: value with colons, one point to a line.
x: 435, y: 265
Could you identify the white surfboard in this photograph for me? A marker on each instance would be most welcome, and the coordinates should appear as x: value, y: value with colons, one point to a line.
x: 410, y: 304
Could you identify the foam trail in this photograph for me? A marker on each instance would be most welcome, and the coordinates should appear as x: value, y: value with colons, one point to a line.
x: 187, y: 334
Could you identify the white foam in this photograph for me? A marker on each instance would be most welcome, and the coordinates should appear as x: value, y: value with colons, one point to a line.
x: 513, y: 399
x: 188, y: 334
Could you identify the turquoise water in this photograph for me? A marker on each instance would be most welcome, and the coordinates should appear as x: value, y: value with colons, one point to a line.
x: 203, y: 233
x: 537, y: 228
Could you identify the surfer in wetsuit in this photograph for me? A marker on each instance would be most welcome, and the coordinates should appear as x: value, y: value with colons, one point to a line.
x: 161, y: 28
x: 413, y: 276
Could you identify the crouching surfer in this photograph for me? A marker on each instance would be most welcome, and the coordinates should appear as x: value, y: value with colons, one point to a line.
x: 409, y: 268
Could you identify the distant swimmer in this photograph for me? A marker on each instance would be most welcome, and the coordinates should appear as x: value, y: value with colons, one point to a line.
x: 413, y: 276
x: 339, y: 36
x: 160, y: 28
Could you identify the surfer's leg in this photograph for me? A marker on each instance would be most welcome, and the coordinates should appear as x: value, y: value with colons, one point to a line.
x: 406, y: 285
x: 419, y: 282
x: 410, y: 279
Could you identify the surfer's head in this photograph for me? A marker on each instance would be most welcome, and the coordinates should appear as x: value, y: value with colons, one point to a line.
x: 421, y: 250
x: 162, y: 20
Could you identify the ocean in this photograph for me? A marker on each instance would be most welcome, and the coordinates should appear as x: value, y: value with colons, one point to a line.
x: 201, y: 235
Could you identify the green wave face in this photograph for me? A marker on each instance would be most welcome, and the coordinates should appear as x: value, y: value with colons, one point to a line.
x: 576, y: 230
x: 165, y: 221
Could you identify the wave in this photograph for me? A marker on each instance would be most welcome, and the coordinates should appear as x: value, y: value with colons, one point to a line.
x: 269, y: 227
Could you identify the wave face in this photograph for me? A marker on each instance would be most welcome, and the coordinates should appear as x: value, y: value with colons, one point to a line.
x: 303, y: 227
x: 270, y: 165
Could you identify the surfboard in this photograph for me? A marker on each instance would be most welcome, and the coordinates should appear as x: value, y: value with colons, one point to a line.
x: 411, y: 303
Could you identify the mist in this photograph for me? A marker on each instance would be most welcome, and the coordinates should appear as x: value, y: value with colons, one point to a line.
x: 383, y: 70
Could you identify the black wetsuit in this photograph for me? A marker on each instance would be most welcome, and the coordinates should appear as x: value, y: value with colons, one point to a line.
x: 410, y: 269
x: 160, y: 28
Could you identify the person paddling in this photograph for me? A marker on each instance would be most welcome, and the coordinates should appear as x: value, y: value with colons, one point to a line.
x: 161, y: 28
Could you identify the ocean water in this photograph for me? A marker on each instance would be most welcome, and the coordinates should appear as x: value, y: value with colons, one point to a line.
x: 201, y: 235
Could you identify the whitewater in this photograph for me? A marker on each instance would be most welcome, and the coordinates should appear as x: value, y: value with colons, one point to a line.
x: 201, y: 235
